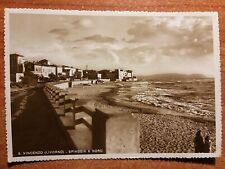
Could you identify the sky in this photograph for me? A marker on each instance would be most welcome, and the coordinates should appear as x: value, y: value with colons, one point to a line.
x: 145, y: 44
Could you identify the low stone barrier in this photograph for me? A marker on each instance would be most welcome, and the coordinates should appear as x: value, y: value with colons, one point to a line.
x: 110, y: 132
x: 115, y: 132
x: 83, y: 82
x: 62, y: 85
x: 66, y: 84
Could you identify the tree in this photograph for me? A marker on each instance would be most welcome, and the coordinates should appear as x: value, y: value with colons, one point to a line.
x: 29, y: 78
x: 53, y: 77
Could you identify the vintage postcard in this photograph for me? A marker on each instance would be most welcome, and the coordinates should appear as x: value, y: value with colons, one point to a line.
x: 109, y: 84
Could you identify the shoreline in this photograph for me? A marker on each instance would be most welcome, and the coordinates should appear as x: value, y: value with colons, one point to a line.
x: 159, y: 131
x: 140, y: 107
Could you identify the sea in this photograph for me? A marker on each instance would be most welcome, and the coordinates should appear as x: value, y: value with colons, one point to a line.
x: 192, y: 97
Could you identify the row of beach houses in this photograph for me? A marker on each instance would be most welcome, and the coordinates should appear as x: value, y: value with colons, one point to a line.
x: 43, y: 69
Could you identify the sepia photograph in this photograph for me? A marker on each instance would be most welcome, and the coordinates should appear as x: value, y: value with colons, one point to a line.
x: 104, y: 84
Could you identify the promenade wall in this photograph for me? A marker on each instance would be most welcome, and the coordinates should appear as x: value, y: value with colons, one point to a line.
x: 109, y: 131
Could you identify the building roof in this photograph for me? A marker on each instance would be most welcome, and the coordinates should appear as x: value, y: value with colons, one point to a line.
x: 16, y: 55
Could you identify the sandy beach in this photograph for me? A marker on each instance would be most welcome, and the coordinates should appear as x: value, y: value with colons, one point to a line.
x: 162, y: 130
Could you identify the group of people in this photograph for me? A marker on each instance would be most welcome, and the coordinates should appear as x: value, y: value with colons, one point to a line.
x: 202, y: 145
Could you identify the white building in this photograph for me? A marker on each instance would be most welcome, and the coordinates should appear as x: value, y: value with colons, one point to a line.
x: 44, y: 71
x: 70, y: 71
x: 121, y: 74
x: 129, y: 74
x: 59, y: 70
x: 125, y: 75
x: 99, y: 76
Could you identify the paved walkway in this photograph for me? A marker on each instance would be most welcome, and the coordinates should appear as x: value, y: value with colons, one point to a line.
x: 37, y: 127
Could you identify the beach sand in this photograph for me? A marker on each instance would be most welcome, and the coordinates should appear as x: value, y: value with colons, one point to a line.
x: 161, y: 130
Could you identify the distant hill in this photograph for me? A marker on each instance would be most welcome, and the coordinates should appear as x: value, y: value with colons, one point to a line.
x: 173, y: 76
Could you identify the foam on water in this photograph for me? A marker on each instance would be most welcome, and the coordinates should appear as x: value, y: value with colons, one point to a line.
x: 190, y: 97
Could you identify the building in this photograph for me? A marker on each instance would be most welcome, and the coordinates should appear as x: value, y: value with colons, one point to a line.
x: 99, y: 76
x: 90, y: 74
x: 41, y: 70
x: 120, y: 74
x: 17, y: 67
x: 44, y: 71
x: 69, y: 71
x: 129, y: 74
x: 78, y: 74
x: 123, y: 75
x: 59, y: 70
x: 107, y: 74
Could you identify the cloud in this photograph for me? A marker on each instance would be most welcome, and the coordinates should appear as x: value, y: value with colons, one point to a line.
x: 149, y: 44
x: 98, y: 55
x: 69, y: 30
x: 174, y: 26
x: 60, y: 33
x: 184, y: 36
x: 98, y: 38
x: 145, y: 30
x: 116, y: 58
x: 136, y: 55
x: 84, y: 22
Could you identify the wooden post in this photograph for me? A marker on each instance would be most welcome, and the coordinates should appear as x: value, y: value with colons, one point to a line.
x: 64, y: 108
x: 74, y: 114
x: 74, y: 118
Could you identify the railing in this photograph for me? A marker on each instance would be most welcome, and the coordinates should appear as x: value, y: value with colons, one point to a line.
x: 111, y: 132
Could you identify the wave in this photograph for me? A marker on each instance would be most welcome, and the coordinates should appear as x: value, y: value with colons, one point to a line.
x: 190, y: 98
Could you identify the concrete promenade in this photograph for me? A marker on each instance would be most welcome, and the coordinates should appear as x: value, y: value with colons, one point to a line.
x: 35, y: 125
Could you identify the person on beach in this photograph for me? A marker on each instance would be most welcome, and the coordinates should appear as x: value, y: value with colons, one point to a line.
x: 207, y: 145
x: 199, y: 142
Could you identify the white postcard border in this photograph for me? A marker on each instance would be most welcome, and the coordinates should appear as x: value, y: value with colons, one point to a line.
x: 216, y: 47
